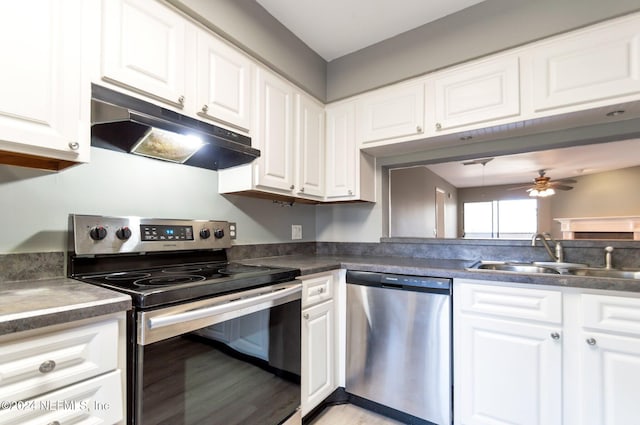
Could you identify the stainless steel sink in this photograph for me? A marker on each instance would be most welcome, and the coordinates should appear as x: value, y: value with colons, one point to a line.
x: 560, y: 265
x: 552, y: 267
x: 607, y: 273
x: 516, y: 268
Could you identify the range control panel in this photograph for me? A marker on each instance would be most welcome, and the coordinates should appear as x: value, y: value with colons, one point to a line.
x: 91, y: 234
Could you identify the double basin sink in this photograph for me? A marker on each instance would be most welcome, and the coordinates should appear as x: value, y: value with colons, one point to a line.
x: 550, y: 267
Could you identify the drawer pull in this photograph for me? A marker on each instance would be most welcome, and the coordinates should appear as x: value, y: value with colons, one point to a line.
x: 320, y: 290
x: 591, y: 341
x: 47, y: 366
x: 306, y: 316
x: 54, y: 423
x: 555, y: 336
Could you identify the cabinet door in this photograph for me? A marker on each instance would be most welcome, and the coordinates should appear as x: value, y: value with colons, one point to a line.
x: 610, y: 372
x: 477, y: 94
x: 341, y: 151
x: 318, y: 356
x: 310, y: 136
x: 592, y: 65
x: 274, y: 132
x: 507, y: 373
x: 35, y: 365
x: 391, y: 113
x: 144, y: 47
x: 94, y: 401
x: 224, y: 83
x: 41, y: 102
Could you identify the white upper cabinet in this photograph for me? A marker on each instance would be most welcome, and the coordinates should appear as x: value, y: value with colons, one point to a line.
x: 223, y: 82
x: 341, y: 150
x: 41, y: 104
x: 310, y: 136
x: 593, y: 64
x: 472, y: 94
x: 274, y: 132
x: 391, y: 113
x: 144, y: 49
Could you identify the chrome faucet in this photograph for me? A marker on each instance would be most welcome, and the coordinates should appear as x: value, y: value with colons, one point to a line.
x: 545, y: 238
x: 607, y: 257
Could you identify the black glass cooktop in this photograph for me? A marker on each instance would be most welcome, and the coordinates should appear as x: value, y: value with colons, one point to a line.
x: 162, y: 286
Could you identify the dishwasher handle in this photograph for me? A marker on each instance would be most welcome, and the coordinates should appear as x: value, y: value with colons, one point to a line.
x: 403, y: 282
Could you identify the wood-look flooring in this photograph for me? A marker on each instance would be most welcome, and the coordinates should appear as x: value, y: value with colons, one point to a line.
x: 348, y: 414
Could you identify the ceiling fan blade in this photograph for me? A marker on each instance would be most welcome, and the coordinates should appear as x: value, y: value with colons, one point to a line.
x: 571, y: 181
x: 561, y: 186
x: 528, y: 186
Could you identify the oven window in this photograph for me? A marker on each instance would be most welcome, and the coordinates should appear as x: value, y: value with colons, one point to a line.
x: 242, y: 371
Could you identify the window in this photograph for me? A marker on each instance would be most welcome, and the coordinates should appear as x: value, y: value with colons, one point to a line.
x: 509, y: 219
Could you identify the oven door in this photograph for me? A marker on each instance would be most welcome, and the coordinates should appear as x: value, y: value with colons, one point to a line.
x: 227, y: 360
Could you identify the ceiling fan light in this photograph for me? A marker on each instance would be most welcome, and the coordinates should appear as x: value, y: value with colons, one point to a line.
x: 542, y: 193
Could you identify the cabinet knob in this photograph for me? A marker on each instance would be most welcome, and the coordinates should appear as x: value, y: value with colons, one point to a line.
x: 74, y: 146
x: 591, y: 341
x: 350, y: 192
x: 181, y: 100
x: 555, y: 335
x: 302, y: 190
x: 306, y: 316
x: 47, y: 366
x: 320, y: 290
x: 292, y: 187
x: 438, y: 126
x: 54, y: 423
x: 419, y: 129
x: 205, y: 108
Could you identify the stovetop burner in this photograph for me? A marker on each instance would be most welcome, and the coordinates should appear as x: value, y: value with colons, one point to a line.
x: 167, y: 280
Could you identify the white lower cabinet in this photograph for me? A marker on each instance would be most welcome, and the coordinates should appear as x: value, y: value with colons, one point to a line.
x: 69, y: 374
x: 609, y: 347
x: 543, y: 355
x: 319, y: 339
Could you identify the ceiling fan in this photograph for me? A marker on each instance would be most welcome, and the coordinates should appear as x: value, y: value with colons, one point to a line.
x: 543, y: 186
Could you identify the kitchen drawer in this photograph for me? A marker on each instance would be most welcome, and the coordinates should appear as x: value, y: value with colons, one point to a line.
x: 516, y: 303
x: 316, y: 289
x: 35, y: 365
x: 94, y: 401
x: 609, y: 313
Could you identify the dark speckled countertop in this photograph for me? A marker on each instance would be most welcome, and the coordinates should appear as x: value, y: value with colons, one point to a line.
x: 26, y: 305
x: 309, y: 264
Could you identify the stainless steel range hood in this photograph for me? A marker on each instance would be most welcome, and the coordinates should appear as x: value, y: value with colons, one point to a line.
x: 126, y: 124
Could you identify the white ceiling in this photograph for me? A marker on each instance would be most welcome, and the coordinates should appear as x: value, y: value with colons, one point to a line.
x: 558, y: 163
x: 334, y: 28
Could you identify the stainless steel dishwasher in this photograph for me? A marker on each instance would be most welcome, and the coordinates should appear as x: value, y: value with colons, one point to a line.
x: 399, y: 343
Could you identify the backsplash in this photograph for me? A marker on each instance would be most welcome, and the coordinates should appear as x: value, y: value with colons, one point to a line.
x: 45, y: 265
x: 31, y: 266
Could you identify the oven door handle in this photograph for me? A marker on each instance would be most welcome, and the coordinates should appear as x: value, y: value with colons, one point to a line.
x: 269, y: 299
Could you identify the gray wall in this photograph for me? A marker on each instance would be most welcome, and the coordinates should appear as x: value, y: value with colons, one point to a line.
x: 249, y: 26
x: 485, y: 28
x: 412, y: 207
x: 35, y: 205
